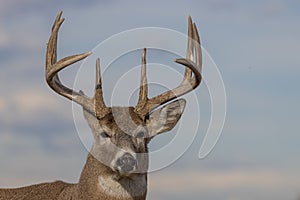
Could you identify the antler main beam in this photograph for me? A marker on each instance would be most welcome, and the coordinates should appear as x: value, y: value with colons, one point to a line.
x: 96, y: 105
x: 193, y: 64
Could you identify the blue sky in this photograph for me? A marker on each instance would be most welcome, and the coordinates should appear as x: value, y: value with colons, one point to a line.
x: 255, y: 45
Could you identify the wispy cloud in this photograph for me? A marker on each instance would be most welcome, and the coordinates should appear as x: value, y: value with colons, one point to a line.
x: 29, y: 105
x: 255, y: 44
x: 200, y: 182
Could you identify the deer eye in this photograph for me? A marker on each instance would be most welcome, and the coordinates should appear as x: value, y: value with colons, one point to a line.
x: 104, y: 135
x: 140, y: 134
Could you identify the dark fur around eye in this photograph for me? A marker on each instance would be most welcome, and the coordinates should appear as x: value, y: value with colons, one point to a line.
x: 104, y: 135
x: 140, y: 134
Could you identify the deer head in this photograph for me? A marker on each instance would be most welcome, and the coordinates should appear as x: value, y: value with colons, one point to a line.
x: 121, y: 134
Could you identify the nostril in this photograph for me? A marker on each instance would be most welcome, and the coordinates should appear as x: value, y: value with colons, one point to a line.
x: 130, y: 161
x: 119, y: 162
x: 127, y: 159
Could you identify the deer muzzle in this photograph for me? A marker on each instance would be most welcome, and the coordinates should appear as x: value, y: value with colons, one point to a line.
x: 126, y: 164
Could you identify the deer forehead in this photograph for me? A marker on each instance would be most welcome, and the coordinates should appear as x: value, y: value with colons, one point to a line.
x: 123, y: 119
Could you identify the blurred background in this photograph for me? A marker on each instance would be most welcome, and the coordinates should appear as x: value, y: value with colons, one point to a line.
x: 255, y: 45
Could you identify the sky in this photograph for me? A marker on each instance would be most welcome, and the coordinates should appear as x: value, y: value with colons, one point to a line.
x: 255, y: 46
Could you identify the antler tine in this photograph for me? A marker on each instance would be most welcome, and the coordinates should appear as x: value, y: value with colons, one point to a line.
x: 143, y: 96
x: 190, y: 49
x: 53, y: 67
x: 100, y: 107
x: 52, y: 44
x: 198, y: 48
x: 189, y: 82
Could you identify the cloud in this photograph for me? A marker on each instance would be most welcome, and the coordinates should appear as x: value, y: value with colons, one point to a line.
x: 201, y: 183
x: 254, y: 43
x: 192, y: 180
x: 25, y: 160
x: 31, y: 105
x: 9, y: 6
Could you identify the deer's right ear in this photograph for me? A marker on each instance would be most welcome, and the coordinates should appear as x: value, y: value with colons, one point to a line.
x: 165, y: 118
x: 91, y: 120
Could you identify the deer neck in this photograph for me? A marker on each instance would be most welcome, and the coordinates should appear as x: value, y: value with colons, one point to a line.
x: 97, y: 182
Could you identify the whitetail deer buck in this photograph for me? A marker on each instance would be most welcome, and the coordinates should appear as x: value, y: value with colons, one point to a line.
x: 116, y: 167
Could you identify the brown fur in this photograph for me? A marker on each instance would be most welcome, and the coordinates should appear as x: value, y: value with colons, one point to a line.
x: 121, y: 123
x: 86, y: 189
x: 116, y: 168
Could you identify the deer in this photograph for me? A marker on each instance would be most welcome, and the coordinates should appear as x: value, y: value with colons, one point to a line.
x: 116, y: 166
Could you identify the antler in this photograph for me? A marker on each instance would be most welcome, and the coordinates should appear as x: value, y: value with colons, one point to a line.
x: 96, y: 105
x: 189, y: 82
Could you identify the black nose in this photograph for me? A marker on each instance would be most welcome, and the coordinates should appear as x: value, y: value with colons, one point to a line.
x: 126, y: 163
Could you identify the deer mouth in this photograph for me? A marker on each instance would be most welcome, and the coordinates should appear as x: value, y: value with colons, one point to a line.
x: 119, y: 176
x: 128, y: 177
x: 123, y: 175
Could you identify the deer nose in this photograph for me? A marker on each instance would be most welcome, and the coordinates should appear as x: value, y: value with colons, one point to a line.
x: 126, y: 163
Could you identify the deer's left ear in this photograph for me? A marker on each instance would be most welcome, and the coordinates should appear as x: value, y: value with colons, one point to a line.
x: 165, y: 118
